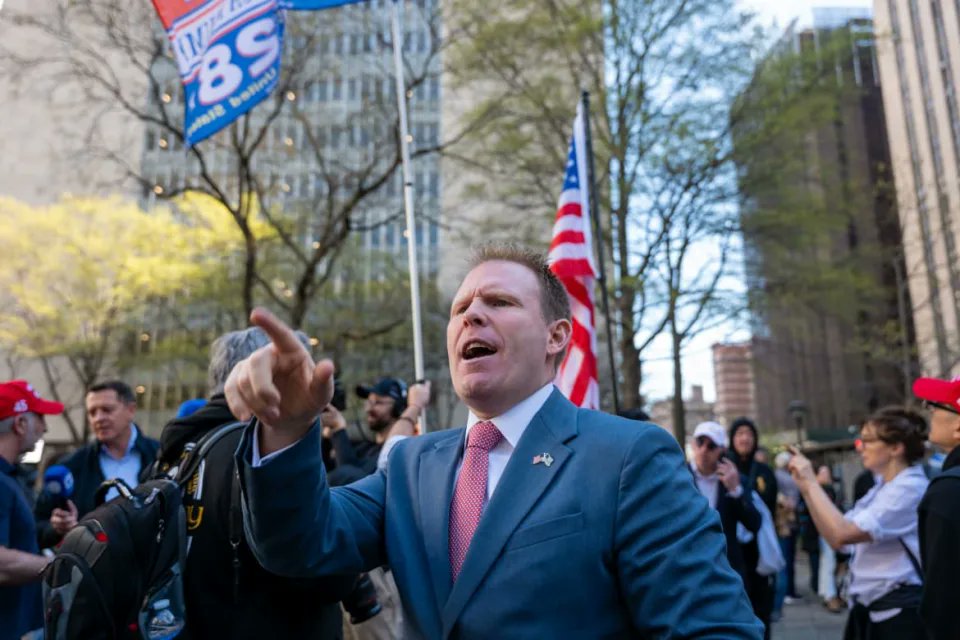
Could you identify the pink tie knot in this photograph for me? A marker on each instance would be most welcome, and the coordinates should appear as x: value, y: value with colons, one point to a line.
x: 484, y: 435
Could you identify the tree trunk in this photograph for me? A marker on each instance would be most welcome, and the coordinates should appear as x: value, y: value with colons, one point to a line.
x: 679, y: 417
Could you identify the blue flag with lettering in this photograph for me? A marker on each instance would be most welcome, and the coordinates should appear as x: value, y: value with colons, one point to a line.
x: 228, y: 55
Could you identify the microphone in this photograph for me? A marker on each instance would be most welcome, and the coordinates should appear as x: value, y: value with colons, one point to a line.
x: 58, y: 484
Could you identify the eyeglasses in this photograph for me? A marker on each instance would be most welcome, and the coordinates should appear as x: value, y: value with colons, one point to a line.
x: 930, y: 405
x: 707, y: 442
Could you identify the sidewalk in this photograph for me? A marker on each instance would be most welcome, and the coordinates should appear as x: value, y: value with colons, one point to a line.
x: 807, y: 619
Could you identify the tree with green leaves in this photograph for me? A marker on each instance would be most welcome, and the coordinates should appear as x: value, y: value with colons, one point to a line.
x: 80, y: 276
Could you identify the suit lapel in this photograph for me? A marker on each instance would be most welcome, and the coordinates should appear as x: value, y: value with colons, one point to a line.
x: 520, y: 487
x: 437, y: 468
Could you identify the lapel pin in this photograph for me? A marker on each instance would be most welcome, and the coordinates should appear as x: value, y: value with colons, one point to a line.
x: 544, y: 458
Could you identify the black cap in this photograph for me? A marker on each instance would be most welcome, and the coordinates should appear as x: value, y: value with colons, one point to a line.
x: 389, y: 387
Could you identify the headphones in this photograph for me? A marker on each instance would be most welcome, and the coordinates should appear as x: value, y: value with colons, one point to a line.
x: 400, y: 404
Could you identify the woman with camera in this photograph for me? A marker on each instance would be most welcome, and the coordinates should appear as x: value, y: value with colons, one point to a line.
x: 881, y: 528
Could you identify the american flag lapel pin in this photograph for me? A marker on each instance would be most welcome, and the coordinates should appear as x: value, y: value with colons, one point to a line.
x: 545, y: 458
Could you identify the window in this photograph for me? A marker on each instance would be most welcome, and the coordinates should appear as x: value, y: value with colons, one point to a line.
x: 352, y: 89
x: 321, y: 89
x: 337, y: 88
x: 434, y: 88
x: 433, y: 188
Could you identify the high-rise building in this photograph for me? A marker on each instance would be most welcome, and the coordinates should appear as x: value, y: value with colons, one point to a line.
x: 733, y: 374
x: 918, y: 48
x: 820, y: 224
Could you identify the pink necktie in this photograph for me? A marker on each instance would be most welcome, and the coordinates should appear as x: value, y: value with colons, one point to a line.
x: 470, y: 492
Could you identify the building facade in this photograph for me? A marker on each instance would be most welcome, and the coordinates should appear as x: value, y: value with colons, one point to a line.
x: 733, y: 374
x: 824, y: 257
x: 919, y: 62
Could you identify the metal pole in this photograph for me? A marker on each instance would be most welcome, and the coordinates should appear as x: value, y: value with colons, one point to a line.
x: 598, y: 231
x: 408, y: 204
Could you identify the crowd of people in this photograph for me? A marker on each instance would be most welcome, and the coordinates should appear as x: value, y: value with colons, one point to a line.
x: 538, y: 519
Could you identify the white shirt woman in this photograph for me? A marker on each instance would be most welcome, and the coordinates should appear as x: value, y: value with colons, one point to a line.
x: 881, y: 527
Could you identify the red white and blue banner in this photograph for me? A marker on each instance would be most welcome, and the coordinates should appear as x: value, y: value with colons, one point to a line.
x: 571, y: 259
x: 228, y: 55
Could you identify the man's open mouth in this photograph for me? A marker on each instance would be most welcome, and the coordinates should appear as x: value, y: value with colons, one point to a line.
x: 475, y: 349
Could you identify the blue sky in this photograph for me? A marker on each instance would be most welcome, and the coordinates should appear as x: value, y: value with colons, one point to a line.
x: 698, y: 359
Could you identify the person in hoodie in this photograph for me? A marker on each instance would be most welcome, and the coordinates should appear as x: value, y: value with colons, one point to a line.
x: 758, y: 477
x: 248, y: 602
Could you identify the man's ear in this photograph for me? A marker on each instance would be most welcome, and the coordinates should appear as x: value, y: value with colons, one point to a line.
x: 956, y: 430
x: 560, y: 333
x: 20, y: 425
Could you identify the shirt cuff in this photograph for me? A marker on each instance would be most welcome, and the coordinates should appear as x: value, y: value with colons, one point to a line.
x: 255, y: 459
x: 386, y: 449
x: 736, y: 493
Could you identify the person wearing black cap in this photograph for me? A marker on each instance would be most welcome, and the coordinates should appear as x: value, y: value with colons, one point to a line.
x: 939, y: 515
x: 761, y: 479
x: 391, y: 413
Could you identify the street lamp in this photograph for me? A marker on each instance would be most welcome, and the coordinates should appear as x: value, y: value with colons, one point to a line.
x: 797, y: 411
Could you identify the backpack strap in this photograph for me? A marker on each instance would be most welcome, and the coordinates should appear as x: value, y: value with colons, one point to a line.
x: 112, y: 483
x: 235, y: 529
x: 189, y: 466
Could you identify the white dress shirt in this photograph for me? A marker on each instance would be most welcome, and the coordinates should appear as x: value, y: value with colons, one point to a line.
x: 888, y: 513
x: 127, y: 467
x: 511, y: 424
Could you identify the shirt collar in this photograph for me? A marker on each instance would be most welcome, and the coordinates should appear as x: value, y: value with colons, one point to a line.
x: 130, y: 443
x: 6, y: 467
x: 514, y: 421
x: 700, y: 476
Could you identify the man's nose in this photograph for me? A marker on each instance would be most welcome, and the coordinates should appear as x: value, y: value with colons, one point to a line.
x: 474, y: 314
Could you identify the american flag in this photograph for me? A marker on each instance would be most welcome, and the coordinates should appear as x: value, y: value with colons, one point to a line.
x: 571, y: 259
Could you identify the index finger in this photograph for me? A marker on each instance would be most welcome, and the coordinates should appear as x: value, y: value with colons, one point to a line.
x: 794, y: 450
x: 282, y: 336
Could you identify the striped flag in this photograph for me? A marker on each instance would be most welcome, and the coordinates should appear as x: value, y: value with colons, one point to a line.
x: 571, y: 259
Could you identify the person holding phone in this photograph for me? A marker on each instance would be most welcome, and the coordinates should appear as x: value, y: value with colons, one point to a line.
x: 881, y: 528
x: 718, y: 480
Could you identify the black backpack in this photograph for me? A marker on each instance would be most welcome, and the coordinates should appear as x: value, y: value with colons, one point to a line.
x: 117, y: 575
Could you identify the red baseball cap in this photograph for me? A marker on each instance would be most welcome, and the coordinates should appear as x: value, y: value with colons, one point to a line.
x: 935, y: 390
x: 17, y: 397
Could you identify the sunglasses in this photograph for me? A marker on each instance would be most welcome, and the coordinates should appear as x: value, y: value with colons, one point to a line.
x: 707, y: 442
x: 930, y: 405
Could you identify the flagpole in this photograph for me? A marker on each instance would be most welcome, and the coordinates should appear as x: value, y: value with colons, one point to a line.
x: 412, y: 262
x: 598, y: 232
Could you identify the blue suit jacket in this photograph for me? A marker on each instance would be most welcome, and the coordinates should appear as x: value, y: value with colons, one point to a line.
x: 610, y: 541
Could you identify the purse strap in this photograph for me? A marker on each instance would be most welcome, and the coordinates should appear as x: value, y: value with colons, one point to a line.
x: 913, y: 558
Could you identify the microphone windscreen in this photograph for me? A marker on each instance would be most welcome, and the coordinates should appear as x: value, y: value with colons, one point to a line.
x: 58, y: 481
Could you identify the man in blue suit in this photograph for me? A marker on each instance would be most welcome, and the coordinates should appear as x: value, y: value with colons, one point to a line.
x: 539, y: 520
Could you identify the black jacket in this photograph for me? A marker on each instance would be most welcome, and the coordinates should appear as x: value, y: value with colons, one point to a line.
x: 732, y: 511
x: 84, y: 464
x: 267, y: 605
x: 939, y: 528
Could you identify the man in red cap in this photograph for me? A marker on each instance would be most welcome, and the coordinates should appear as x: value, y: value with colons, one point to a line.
x: 22, y: 424
x: 939, y: 511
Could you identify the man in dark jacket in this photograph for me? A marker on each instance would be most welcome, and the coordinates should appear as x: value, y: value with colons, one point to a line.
x: 939, y: 512
x: 718, y: 480
x: 225, y: 600
x: 120, y: 450
x: 759, y: 478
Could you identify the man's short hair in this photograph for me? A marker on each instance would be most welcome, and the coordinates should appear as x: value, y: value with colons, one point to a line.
x: 554, y: 303
x: 123, y: 390
x: 230, y: 348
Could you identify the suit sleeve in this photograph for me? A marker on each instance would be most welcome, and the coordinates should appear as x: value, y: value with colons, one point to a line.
x: 297, y: 526
x: 670, y: 550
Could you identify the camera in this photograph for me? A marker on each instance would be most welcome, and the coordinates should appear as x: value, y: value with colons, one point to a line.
x: 361, y: 603
x: 339, y: 399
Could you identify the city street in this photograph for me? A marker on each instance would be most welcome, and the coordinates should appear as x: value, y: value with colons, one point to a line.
x: 807, y: 619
